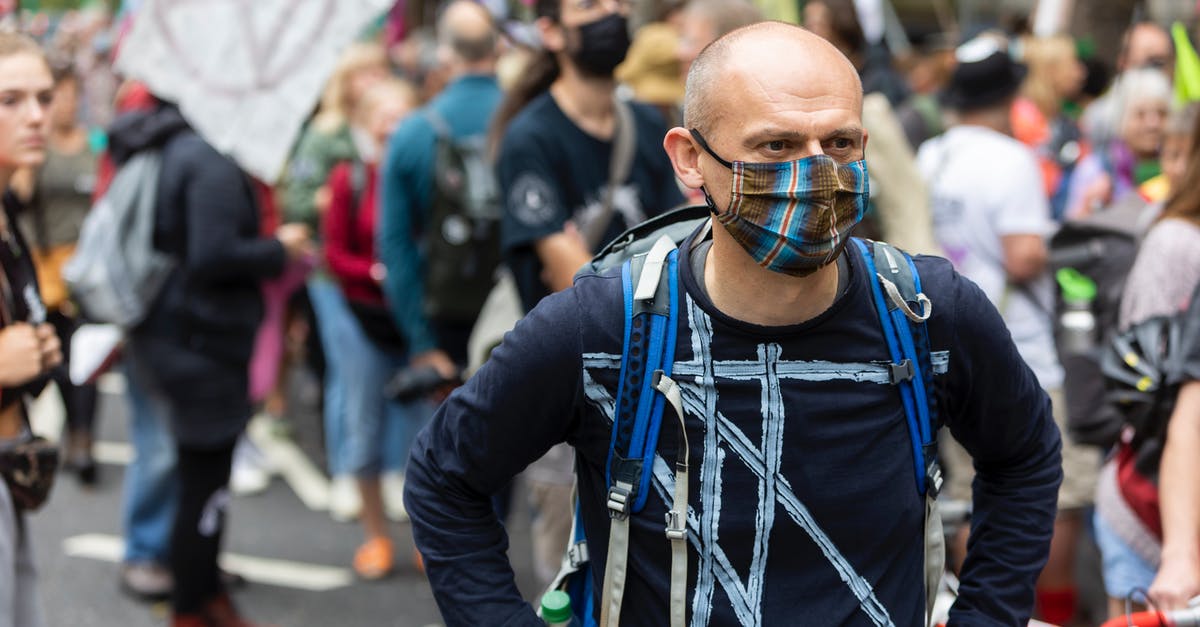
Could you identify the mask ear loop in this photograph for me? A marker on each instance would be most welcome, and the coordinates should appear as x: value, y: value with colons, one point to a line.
x: 699, y: 139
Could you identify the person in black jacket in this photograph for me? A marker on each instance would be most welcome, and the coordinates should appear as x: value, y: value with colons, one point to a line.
x: 191, y: 354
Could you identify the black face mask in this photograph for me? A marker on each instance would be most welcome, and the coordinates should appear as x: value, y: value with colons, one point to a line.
x: 601, y: 46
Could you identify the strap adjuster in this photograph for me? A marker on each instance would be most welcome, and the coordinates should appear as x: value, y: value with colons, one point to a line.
x: 577, y: 554
x: 619, y: 501
x: 901, y: 372
x: 933, y: 478
x: 676, y: 529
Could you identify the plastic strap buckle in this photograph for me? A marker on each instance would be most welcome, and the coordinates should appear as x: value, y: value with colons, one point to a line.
x: 577, y: 554
x: 620, y: 500
x: 901, y: 372
x: 933, y: 472
x: 676, y: 529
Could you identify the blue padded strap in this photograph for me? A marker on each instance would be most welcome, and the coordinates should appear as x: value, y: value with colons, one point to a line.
x: 620, y: 411
x: 891, y: 336
x: 660, y: 357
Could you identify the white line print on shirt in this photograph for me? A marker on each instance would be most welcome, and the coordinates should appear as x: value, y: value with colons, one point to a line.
x: 697, y: 380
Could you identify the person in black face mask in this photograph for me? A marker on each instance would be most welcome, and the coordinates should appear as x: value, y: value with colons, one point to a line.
x: 554, y: 137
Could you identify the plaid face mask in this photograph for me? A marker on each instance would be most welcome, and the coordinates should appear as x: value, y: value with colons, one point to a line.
x: 792, y: 217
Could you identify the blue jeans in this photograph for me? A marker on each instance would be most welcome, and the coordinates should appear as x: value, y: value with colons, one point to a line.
x: 151, y: 487
x: 338, y: 331
x: 378, y: 432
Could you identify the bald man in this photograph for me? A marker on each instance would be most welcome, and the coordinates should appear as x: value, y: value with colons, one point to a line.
x: 412, y: 249
x: 803, y: 509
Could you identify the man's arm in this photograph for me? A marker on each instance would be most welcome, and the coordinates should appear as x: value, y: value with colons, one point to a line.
x: 525, y: 399
x: 1023, y: 222
x: 996, y: 409
x: 405, y: 188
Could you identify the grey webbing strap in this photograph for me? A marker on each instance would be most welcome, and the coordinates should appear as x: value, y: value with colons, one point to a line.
x: 614, y: 571
x: 623, y: 149
x: 935, y: 555
x: 677, y: 517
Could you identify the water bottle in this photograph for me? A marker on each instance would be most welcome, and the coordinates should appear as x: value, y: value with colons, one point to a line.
x: 1077, y: 321
x: 556, y: 610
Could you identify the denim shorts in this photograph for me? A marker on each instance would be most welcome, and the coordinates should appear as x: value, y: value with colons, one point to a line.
x: 1124, y: 570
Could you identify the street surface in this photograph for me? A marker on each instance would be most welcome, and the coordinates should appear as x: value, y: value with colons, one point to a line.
x: 297, y: 559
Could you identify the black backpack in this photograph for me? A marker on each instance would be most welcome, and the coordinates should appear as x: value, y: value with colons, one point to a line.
x: 1101, y: 247
x: 461, y: 240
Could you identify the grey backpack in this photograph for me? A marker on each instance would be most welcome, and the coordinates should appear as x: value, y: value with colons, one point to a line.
x: 116, y: 273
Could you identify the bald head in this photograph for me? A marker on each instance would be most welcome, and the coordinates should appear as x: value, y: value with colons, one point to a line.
x: 467, y: 29
x: 748, y: 58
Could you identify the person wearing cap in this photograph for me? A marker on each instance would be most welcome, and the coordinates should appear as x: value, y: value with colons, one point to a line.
x: 992, y: 219
x: 802, y: 506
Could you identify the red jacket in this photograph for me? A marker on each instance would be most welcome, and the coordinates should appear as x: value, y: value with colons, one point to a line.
x: 349, y: 234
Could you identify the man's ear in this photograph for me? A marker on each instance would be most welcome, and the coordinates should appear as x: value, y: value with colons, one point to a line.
x: 551, y: 33
x: 685, y: 157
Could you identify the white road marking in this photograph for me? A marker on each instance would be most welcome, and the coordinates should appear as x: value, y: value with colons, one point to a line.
x: 284, y: 573
x: 112, y: 382
x: 285, y: 458
x: 112, y: 453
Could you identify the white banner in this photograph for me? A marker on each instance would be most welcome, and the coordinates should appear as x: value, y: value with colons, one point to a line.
x: 245, y: 73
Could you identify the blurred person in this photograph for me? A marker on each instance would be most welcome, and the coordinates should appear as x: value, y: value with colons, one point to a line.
x: 1055, y: 77
x: 412, y: 190
x: 1144, y: 46
x: 899, y: 202
x: 991, y: 218
x: 557, y: 131
x: 325, y: 142
x: 377, y: 430
x: 1134, y: 548
x: 61, y: 199
x: 190, y: 356
x: 1141, y: 102
x: 29, y: 347
x: 651, y: 68
x: 922, y: 117
x: 703, y: 21
x: 837, y: 22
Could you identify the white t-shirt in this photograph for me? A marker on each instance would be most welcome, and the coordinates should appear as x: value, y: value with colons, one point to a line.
x: 984, y: 185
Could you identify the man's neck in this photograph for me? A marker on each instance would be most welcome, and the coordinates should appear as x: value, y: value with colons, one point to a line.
x: 743, y: 290
x: 481, y: 68
x: 993, y: 119
x: 586, y: 101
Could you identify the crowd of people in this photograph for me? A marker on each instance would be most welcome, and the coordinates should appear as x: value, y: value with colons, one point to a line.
x: 455, y: 182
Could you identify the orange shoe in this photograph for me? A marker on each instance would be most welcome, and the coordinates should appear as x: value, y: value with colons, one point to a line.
x: 374, y: 559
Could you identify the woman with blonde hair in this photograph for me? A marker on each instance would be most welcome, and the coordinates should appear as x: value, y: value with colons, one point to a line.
x: 1055, y: 76
x: 327, y: 141
x: 29, y: 348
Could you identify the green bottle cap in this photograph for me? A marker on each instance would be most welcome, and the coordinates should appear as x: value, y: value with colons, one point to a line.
x: 556, y: 607
x: 1075, y: 285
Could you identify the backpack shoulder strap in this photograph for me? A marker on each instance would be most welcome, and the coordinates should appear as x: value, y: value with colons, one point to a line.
x: 896, y: 288
x: 651, y: 296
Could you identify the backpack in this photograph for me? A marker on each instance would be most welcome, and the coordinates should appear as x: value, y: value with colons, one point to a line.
x: 462, y: 236
x: 1102, y: 248
x: 116, y: 272
x: 649, y: 258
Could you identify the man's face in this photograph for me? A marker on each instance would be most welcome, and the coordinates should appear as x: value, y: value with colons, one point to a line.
x: 1149, y: 46
x: 769, y: 112
x: 26, y: 90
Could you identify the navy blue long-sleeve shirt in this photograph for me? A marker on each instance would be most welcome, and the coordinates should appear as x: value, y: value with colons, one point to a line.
x: 802, y: 476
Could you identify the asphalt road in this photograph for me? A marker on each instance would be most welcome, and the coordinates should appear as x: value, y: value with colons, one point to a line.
x: 298, y: 559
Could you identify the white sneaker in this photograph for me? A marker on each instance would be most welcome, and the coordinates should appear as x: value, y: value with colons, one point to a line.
x: 345, y: 502
x: 392, y: 485
x: 251, y: 473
